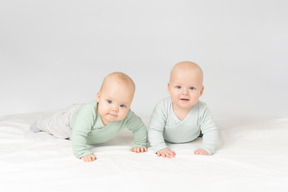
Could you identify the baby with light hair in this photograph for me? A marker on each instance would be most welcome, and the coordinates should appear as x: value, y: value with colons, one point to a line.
x: 181, y: 117
x: 98, y: 121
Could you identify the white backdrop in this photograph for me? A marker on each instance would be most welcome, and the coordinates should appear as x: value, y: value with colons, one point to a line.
x: 55, y: 53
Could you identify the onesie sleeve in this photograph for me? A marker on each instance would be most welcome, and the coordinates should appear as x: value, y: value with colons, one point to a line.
x: 82, y: 123
x: 209, y: 130
x: 136, y: 125
x: 156, y: 127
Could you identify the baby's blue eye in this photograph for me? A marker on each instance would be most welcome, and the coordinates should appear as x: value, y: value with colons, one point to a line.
x: 109, y: 101
x: 191, y: 88
x: 122, y: 106
x: 178, y: 87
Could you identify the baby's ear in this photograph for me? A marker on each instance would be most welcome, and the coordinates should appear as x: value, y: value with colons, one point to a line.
x: 201, y: 92
x: 98, y: 96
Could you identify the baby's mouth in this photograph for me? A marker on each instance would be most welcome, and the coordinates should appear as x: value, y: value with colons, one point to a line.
x: 114, y: 115
x: 183, y: 99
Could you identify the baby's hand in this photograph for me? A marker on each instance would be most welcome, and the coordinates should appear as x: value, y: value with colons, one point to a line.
x: 201, y: 152
x: 166, y: 153
x: 139, y: 149
x: 88, y: 158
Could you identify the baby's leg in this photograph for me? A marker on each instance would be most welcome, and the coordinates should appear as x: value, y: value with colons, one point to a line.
x: 41, y: 125
x: 57, y: 124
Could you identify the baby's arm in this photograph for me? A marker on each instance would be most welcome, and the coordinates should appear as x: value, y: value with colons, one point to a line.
x: 136, y: 125
x: 81, y: 125
x: 166, y: 153
x: 79, y: 146
x: 156, y: 129
x: 210, y: 133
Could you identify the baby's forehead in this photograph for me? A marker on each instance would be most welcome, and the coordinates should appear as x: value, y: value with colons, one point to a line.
x: 189, y: 78
x: 119, y: 80
x: 118, y: 86
x: 118, y: 91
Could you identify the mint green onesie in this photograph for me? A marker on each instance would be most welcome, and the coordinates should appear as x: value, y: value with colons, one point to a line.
x: 82, y: 124
x: 165, y: 126
x: 87, y: 128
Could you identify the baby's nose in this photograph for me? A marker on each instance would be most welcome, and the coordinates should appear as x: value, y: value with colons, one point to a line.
x: 115, y: 109
x: 185, y: 91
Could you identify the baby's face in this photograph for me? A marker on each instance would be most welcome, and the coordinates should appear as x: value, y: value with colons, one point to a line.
x: 114, y: 102
x: 185, y: 88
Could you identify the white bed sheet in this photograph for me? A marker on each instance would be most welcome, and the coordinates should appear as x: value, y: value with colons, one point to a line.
x: 252, y: 155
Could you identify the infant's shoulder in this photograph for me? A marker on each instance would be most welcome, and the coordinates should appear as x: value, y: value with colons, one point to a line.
x: 165, y: 101
x: 202, y: 108
x: 201, y: 104
x: 163, y: 104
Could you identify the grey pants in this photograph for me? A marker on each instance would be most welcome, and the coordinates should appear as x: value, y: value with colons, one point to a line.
x: 58, y: 124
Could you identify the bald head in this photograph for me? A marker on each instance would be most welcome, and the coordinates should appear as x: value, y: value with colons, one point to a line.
x: 186, y: 67
x: 120, y: 78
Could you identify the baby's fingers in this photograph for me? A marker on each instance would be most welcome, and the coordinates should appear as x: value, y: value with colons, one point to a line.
x: 139, y: 149
x: 143, y: 149
x: 201, y: 152
x: 166, y: 153
x: 88, y: 158
x: 93, y: 158
x: 172, y: 153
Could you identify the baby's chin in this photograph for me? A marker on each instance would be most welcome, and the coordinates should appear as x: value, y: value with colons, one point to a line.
x: 112, y: 117
x: 186, y: 104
